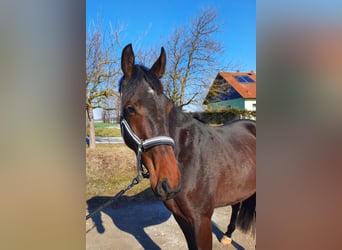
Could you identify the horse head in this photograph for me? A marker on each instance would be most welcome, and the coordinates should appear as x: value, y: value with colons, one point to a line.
x: 145, y: 111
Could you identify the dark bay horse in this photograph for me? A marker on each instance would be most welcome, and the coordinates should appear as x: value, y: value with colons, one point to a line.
x: 193, y: 167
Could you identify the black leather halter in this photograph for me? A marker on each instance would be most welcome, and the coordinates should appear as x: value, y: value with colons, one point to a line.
x: 143, y: 145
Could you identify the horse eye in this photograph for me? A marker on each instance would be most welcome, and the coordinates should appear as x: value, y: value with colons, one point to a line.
x: 130, y: 109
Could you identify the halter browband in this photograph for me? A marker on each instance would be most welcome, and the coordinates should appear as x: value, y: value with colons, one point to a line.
x: 144, y: 145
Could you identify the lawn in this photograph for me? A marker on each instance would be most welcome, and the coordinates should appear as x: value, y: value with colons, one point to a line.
x: 106, y: 125
x: 106, y: 130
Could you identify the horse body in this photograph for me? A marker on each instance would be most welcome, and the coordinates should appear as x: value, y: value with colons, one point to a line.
x: 214, y: 170
x: 201, y: 149
x: 208, y: 167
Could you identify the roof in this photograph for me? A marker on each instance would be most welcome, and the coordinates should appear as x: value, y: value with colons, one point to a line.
x: 243, y: 82
x: 245, y: 90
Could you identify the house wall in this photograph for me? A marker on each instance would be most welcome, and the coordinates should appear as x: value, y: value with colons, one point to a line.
x: 236, y: 103
x: 250, y: 104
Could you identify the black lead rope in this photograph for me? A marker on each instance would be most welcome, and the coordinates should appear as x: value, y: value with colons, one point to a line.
x: 134, y: 182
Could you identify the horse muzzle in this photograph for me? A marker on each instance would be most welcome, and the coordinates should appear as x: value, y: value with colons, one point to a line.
x: 164, y: 191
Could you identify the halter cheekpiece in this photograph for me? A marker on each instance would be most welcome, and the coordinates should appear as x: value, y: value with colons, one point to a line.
x: 144, y: 145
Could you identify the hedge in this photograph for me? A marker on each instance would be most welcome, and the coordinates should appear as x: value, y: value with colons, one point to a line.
x: 223, y: 115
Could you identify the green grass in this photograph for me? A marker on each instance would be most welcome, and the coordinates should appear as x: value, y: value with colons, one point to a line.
x: 106, y: 130
x: 106, y: 125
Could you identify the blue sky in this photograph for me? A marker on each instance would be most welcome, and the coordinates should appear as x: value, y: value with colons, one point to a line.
x: 157, y: 19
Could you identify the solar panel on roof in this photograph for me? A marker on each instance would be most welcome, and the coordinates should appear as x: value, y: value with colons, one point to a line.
x: 244, y: 79
x: 239, y: 78
x: 248, y: 79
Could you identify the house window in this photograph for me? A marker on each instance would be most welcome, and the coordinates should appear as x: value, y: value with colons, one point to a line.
x: 244, y: 79
x: 254, y: 107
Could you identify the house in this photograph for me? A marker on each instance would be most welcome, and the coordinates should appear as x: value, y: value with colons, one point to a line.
x: 233, y: 89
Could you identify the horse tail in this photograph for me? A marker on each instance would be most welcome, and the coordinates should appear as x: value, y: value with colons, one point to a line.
x: 247, y: 213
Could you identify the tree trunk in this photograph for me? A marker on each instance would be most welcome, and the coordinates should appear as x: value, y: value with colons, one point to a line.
x: 90, y: 113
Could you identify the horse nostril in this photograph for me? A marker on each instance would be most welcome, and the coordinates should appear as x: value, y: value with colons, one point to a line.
x: 164, y: 190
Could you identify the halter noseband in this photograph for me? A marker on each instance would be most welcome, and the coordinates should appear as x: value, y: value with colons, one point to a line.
x: 144, y: 145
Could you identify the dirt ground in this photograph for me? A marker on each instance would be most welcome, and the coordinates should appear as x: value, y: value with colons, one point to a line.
x: 147, y: 224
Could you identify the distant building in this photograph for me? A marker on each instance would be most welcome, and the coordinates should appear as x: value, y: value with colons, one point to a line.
x: 233, y: 89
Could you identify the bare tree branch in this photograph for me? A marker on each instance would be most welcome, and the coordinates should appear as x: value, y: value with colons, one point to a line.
x: 102, y: 71
x: 192, y: 57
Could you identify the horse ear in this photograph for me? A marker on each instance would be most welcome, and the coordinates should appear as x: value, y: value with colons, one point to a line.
x: 159, y: 66
x: 127, y: 61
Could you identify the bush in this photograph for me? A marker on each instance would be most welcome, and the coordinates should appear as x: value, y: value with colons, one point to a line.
x: 223, y: 115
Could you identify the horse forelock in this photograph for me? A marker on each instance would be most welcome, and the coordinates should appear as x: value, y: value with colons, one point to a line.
x: 152, y: 80
x: 140, y: 73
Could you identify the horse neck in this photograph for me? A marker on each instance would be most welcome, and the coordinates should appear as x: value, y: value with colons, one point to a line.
x: 178, y: 120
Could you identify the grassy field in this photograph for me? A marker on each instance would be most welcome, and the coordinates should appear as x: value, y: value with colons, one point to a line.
x: 106, y: 125
x: 106, y: 130
x: 110, y: 168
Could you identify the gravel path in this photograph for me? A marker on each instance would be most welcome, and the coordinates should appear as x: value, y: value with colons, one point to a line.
x: 133, y: 225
